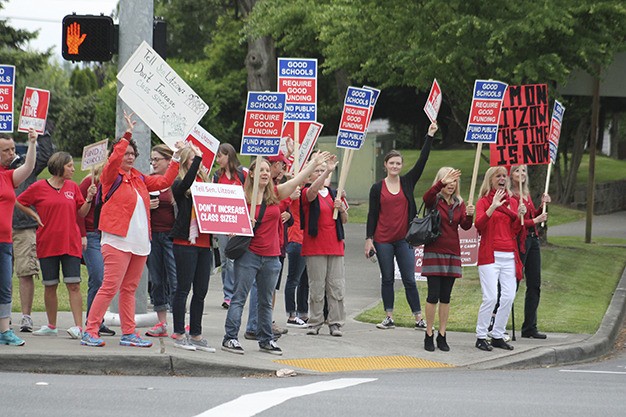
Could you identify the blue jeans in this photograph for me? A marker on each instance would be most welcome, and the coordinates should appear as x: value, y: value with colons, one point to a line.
x: 228, y: 272
x: 253, y: 307
x: 162, y: 269
x: 6, y: 279
x: 193, y: 267
x: 296, y: 278
x: 264, y: 271
x: 95, y: 266
x: 405, y: 256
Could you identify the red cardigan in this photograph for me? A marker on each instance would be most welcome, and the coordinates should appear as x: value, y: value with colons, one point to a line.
x: 117, y: 211
x: 448, y: 242
x: 488, y: 226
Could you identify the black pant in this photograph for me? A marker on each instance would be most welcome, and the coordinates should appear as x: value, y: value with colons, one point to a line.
x: 532, y: 271
x: 193, y: 266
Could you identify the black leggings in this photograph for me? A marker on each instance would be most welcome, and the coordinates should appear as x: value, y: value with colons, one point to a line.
x: 439, y: 289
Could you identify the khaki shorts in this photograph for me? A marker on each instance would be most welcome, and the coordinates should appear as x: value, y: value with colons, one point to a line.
x: 25, y: 252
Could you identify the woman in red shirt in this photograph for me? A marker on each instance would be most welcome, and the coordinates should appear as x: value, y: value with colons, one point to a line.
x: 442, y: 258
x: 57, y: 201
x: 498, y: 223
x: 529, y: 249
x: 260, y: 262
x: 229, y: 172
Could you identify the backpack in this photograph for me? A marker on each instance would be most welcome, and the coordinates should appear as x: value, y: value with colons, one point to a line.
x: 240, y: 174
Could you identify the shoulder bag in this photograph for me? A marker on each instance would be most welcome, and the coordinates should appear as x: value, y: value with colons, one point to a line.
x: 238, y: 245
x: 424, y: 230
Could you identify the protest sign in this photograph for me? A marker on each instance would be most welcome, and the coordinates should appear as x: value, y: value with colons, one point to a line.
x: 482, y: 125
x: 221, y: 208
x: 469, y: 241
x: 263, y: 123
x: 34, y: 110
x: 207, y: 143
x: 375, y: 94
x: 555, y: 129
x: 297, y: 77
x: 523, y: 128
x: 433, y: 103
x: 94, y: 154
x: 7, y: 89
x: 354, y: 118
x: 159, y: 96
x: 308, y: 134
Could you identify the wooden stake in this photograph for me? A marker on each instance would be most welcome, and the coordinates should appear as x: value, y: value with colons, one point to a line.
x: 479, y: 149
x: 296, y: 148
x: 347, y: 159
x: 255, y: 187
x: 521, y: 196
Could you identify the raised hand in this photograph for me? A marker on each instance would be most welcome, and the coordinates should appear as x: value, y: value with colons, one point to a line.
x: 74, y: 38
x: 432, y: 129
x: 498, y: 199
x: 32, y: 135
x: 130, y: 123
x: 452, y: 176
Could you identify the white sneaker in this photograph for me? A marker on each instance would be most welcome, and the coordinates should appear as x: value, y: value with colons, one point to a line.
x: 75, y: 332
x: 297, y: 323
x: 46, y: 331
x: 202, y: 345
x: 182, y: 342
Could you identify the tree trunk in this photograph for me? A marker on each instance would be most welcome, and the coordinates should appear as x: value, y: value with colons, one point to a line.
x: 261, y: 59
x: 614, y: 134
x: 580, y: 138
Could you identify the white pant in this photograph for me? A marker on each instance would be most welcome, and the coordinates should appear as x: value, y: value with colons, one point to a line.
x: 502, y: 270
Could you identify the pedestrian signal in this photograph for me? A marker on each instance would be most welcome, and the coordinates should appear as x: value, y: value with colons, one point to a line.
x: 88, y: 38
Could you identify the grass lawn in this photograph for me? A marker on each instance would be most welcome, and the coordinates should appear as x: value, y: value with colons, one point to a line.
x: 575, y: 293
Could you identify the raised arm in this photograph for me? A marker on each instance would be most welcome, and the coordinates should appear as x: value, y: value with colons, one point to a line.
x: 416, y: 172
x: 285, y: 189
x: 23, y: 172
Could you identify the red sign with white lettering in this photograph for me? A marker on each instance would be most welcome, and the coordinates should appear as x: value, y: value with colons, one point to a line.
x: 34, y: 110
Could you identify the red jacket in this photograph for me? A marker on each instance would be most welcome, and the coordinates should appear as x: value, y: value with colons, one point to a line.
x: 117, y: 211
x: 503, y: 221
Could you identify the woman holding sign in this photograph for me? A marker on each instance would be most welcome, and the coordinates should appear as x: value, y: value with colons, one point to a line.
x: 442, y: 258
x: 125, y: 225
x: 498, y: 223
x: 260, y: 262
x: 529, y: 249
x: 391, y: 209
x: 192, y: 252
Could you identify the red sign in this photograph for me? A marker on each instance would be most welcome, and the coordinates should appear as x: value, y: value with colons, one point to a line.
x: 433, y: 104
x: 308, y: 132
x: 207, y: 143
x: 34, y: 110
x: 469, y: 240
x: 524, y: 127
x: 221, y: 208
x: 6, y: 98
x: 263, y: 124
x: 354, y: 119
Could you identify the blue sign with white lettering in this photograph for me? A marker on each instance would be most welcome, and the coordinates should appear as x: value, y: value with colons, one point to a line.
x: 263, y: 123
x: 355, y: 118
x: 482, y: 125
x: 297, y: 77
x: 7, y: 87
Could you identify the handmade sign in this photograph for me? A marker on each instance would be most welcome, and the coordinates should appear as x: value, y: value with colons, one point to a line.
x: 308, y: 134
x: 94, y: 154
x: 207, y: 143
x: 34, y: 110
x: 7, y: 89
x: 159, y: 96
x: 221, y: 208
x: 523, y: 129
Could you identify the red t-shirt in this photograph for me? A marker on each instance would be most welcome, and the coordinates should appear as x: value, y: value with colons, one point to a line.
x: 7, y: 203
x: 394, y: 210
x: 326, y: 242
x: 234, y: 180
x: 88, y: 219
x: 266, y: 241
x: 294, y: 233
x: 58, y: 211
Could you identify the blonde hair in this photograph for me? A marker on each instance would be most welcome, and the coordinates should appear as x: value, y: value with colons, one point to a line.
x: 485, y: 188
x: 186, y: 155
x: 525, y: 190
x: 443, y: 171
x: 269, y: 195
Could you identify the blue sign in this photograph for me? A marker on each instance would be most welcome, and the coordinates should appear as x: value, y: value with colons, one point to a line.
x: 482, y: 126
x: 297, y: 77
x: 263, y: 123
x: 354, y: 118
x: 7, y: 87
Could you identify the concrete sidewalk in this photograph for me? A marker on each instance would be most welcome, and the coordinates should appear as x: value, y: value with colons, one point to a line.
x: 363, y: 347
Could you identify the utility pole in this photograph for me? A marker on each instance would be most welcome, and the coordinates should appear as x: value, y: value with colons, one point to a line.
x: 591, y: 181
x: 135, y: 26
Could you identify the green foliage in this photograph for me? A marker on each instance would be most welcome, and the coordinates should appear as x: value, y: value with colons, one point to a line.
x: 83, y: 81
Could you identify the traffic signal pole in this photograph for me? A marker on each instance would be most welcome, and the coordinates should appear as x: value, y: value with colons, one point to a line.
x: 135, y: 25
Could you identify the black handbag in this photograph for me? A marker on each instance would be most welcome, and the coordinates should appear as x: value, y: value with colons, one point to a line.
x: 238, y: 245
x: 424, y: 230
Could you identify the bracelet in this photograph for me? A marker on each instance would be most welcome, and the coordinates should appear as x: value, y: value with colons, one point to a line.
x: 88, y: 201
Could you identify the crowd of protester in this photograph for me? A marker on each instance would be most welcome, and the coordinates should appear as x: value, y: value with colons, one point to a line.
x: 149, y: 219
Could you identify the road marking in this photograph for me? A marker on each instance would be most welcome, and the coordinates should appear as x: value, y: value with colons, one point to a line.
x: 251, y: 404
x: 593, y: 372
